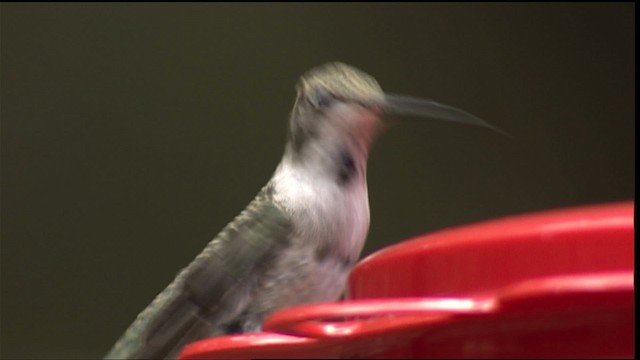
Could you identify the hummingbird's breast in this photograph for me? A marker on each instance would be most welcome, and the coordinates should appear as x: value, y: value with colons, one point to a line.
x: 328, y: 215
x: 330, y: 222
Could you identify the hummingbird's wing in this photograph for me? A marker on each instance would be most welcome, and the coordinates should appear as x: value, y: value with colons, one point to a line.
x: 205, y: 295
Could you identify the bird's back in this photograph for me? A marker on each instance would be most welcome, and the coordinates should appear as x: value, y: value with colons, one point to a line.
x: 206, y: 297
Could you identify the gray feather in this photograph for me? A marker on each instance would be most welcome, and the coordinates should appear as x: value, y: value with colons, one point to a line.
x: 196, y: 303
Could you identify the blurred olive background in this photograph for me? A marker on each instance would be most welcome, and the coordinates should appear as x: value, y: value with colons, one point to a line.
x: 132, y: 133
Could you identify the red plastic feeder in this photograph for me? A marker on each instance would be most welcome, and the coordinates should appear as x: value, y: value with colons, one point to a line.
x: 551, y: 284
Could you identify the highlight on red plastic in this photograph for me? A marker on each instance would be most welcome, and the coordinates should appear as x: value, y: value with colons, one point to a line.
x: 358, y: 318
x: 552, y: 284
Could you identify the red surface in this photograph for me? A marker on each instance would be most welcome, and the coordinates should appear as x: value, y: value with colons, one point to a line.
x: 489, y: 255
x: 552, y: 284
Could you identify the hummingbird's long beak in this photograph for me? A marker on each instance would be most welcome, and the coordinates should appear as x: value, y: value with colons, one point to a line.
x: 402, y: 105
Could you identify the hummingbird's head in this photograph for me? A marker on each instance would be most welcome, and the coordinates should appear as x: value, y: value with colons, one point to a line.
x: 339, y: 110
x: 336, y: 98
x: 335, y: 103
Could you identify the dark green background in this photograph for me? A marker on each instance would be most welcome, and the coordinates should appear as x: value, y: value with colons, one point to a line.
x: 132, y: 133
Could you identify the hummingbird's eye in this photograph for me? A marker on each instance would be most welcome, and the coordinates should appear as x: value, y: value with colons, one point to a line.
x: 320, y: 98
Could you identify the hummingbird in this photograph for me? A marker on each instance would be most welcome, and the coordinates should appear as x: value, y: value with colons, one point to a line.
x: 298, y: 239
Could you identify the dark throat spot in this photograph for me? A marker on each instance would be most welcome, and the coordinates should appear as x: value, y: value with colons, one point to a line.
x: 346, y: 167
